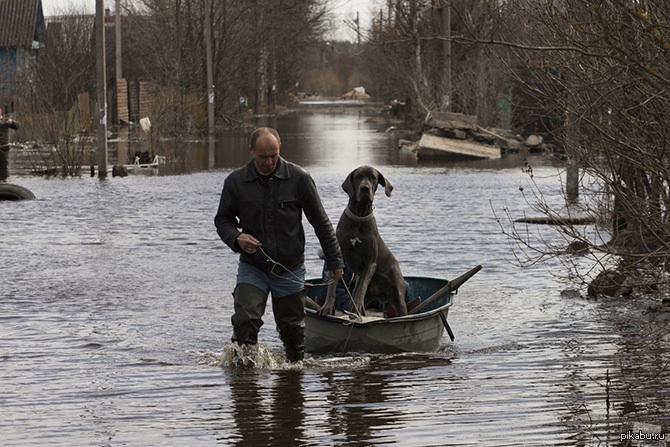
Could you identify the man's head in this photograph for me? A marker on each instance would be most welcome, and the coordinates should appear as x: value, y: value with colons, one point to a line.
x: 264, y: 146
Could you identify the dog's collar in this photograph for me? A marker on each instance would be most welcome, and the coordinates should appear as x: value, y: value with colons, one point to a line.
x: 356, y: 218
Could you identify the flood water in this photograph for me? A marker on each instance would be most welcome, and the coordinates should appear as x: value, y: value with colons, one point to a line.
x: 115, y: 306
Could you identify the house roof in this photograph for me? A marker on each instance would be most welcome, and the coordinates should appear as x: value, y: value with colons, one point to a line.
x: 20, y: 20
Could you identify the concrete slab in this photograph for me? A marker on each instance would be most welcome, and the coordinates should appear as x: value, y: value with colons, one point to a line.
x: 432, y: 146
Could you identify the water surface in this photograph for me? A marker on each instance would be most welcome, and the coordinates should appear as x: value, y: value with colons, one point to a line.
x: 115, y: 309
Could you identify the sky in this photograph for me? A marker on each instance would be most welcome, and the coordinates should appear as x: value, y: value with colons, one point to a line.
x: 54, y: 7
x: 343, y: 10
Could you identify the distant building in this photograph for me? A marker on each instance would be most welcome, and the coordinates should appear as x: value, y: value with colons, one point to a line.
x: 128, y: 99
x: 21, y: 36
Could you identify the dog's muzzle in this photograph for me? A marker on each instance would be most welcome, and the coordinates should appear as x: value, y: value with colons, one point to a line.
x: 365, y: 193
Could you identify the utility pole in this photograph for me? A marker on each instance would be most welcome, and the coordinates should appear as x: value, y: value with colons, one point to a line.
x: 101, y: 80
x: 210, y: 71
x: 358, y: 28
x: 446, y: 46
x: 117, y: 22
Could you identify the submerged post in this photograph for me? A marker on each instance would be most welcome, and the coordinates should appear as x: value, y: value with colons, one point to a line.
x: 446, y: 48
x: 210, y: 73
x: 572, y: 181
x: 101, y: 80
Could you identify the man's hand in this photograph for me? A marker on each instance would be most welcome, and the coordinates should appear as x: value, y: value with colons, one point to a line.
x: 247, y: 243
x: 336, y: 274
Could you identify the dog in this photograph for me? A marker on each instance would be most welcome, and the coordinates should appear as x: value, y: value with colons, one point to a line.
x: 378, y: 275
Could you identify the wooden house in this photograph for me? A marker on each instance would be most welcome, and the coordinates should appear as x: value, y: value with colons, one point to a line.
x: 21, y: 35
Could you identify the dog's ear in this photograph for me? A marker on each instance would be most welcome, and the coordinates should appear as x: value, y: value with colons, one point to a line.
x: 348, y: 185
x: 388, y: 187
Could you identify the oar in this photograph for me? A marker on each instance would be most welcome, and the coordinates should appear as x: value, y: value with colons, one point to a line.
x: 458, y: 282
x: 451, y: 286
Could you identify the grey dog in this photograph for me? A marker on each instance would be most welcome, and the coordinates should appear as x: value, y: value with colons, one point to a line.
x: 378, y: 275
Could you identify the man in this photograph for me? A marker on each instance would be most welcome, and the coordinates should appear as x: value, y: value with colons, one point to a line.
x: 260, y: 216
x: 5, y: 125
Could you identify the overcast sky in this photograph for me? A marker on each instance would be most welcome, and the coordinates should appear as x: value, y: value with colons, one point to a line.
x: 54, y: 7
x: 343, y: 9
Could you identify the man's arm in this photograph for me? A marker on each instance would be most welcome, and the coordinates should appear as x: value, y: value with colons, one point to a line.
x: 323, y: 228
x: 9, y: 123
x: 226, y: 216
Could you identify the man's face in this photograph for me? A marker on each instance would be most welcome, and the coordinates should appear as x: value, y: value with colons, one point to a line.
x: 266, y: 154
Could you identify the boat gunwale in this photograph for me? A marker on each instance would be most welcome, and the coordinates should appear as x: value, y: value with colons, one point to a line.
x: 395, y: 320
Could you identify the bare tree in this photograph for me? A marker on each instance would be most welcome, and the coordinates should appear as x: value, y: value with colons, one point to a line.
x: 600, y: 71
x: 593, y: 76
x: 257, y: 46
x: 64, y: 69
x: 405, y: 59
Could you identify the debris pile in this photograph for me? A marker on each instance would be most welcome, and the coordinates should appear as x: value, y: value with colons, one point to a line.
x: 356, y: 93
x: 464, y: 128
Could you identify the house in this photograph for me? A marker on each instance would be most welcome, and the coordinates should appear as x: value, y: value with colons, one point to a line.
x: 21, y: 35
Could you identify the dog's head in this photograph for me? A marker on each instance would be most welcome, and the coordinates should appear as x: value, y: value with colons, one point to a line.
x: 361, y: 184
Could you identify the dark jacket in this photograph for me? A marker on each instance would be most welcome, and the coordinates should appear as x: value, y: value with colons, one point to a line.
x: 270, y: 209
x: 4, y: 132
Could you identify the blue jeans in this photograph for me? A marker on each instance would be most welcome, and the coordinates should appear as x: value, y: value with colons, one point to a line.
x: 281, y: 284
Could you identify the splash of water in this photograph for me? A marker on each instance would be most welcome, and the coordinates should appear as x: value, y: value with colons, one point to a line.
x: 261, y: 357
x: 258, y: 356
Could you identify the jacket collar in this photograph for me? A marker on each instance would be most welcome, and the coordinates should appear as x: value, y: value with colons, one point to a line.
x: 282, y: 171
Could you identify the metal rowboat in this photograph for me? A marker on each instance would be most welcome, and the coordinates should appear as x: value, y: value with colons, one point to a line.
x: 420, y: 331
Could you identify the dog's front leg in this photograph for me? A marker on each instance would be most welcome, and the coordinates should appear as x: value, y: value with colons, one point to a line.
x: 362, y: 287
x: 329, y: 305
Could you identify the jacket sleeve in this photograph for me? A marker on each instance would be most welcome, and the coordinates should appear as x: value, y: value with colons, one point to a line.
x: 323, y: 228
x: 226, y: 221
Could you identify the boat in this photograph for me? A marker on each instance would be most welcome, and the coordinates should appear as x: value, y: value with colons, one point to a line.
x: 135, y: 168
x: 419, y: 331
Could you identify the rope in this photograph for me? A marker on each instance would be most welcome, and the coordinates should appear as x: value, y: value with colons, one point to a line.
x: 296, y: 279
x: 358, y: 312
x: 301, y: 281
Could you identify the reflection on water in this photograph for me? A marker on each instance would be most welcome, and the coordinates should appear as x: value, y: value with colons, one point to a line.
x: 115, y: 312
x: 316, y: 139
x: 267, y: 410
x: 338, y: 140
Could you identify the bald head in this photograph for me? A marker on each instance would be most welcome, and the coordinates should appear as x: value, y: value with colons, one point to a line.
x: 264, y: 146
x: 263, y: 132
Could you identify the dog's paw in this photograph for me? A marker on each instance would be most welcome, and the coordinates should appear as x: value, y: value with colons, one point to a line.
x: 325, y: 310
